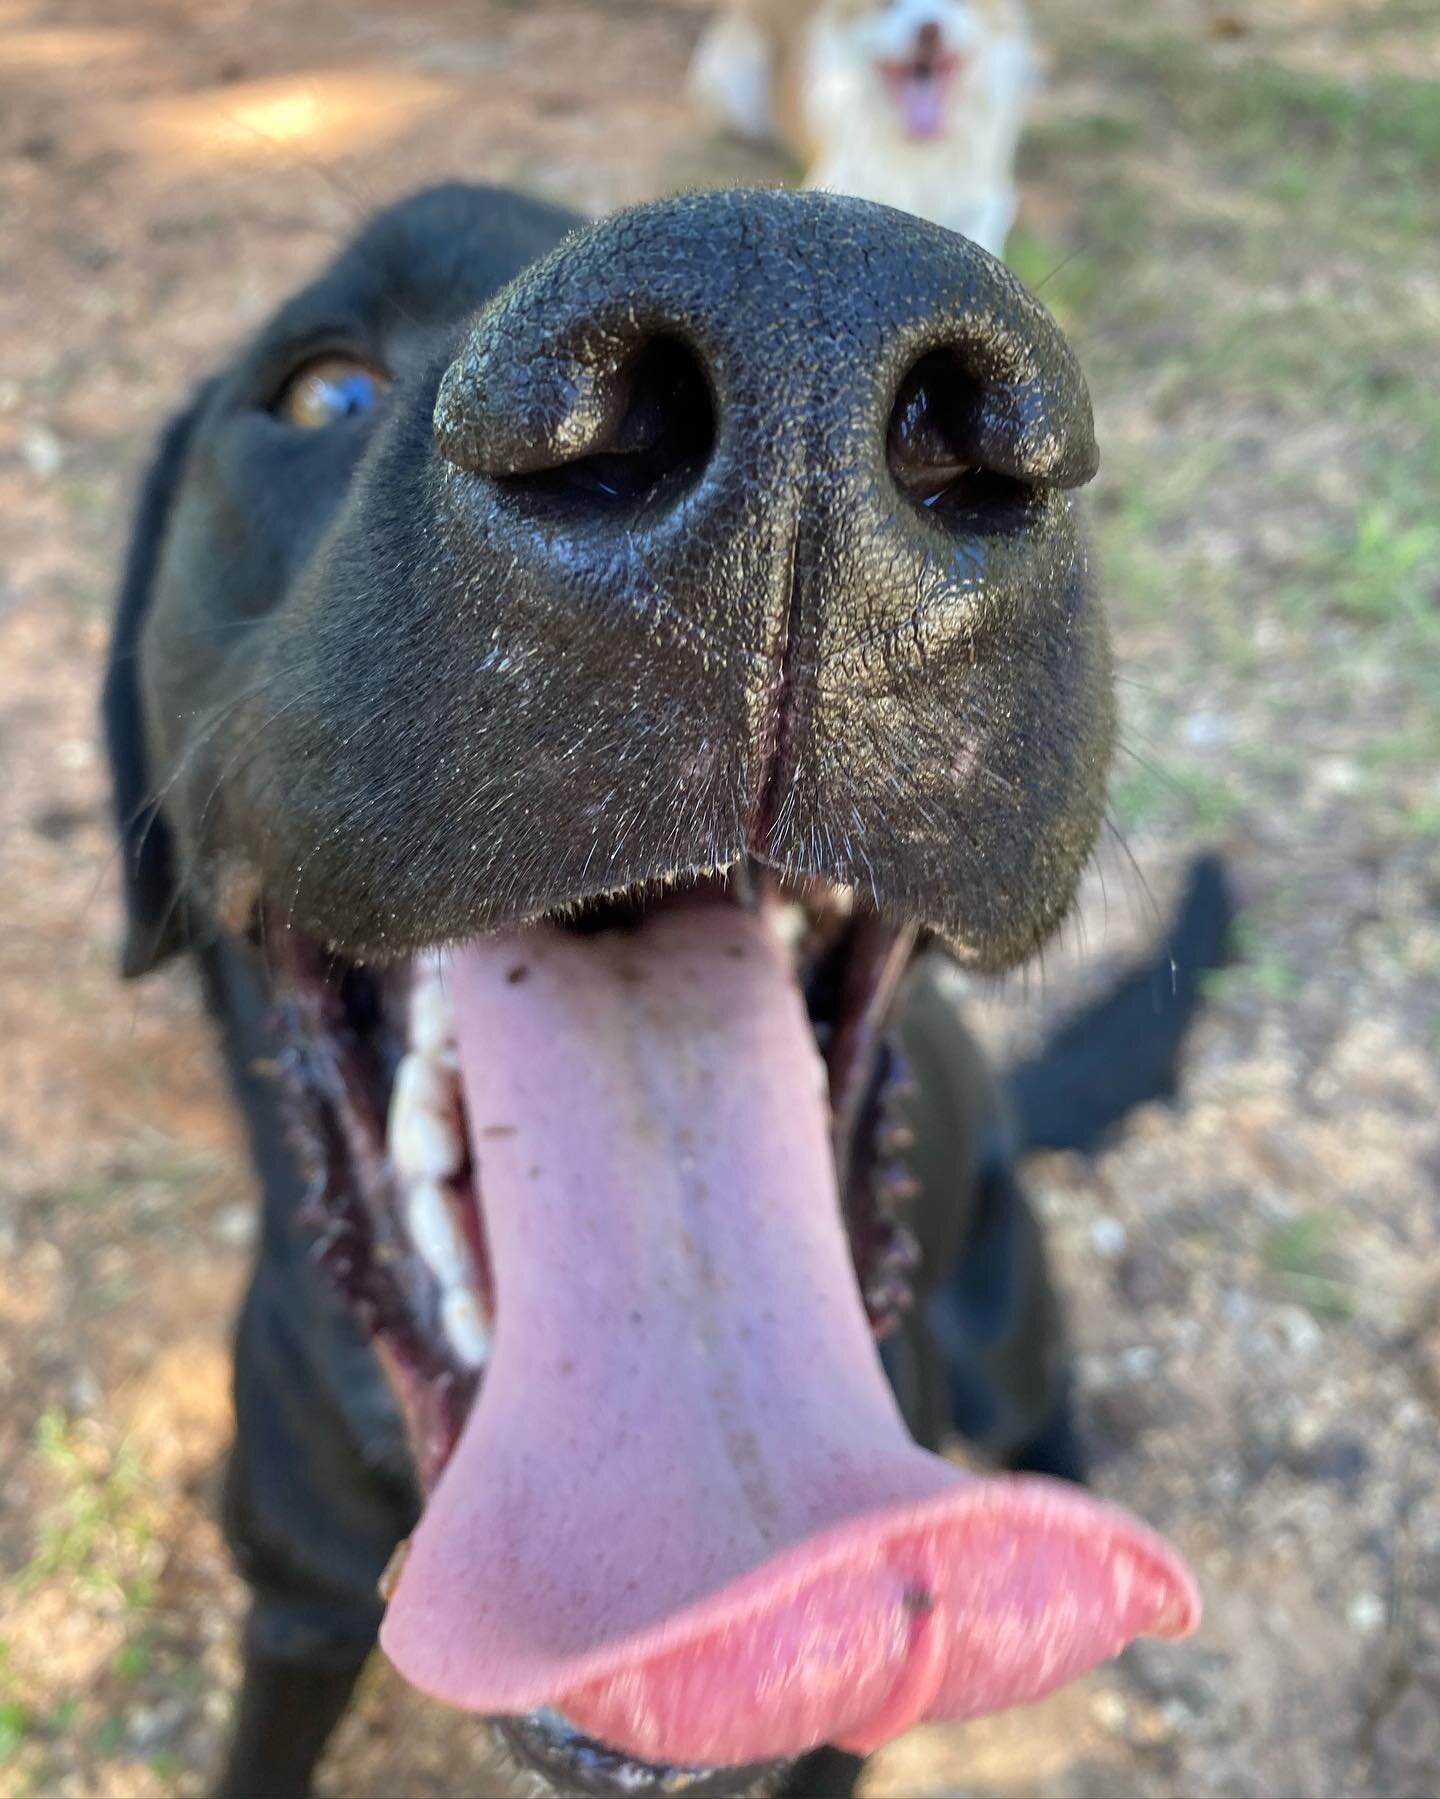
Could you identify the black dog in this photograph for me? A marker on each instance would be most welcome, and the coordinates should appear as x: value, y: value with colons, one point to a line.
x: 694, y: 581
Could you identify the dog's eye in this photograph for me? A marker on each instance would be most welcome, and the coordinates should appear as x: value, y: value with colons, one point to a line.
x: 330, y: 388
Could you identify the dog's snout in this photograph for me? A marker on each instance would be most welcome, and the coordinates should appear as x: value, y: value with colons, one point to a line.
x: 747, y: 510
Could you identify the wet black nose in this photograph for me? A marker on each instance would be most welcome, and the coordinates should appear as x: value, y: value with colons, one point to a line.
x: 746, y: 327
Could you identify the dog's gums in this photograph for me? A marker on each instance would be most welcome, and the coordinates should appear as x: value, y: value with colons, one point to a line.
x: 645, y: 644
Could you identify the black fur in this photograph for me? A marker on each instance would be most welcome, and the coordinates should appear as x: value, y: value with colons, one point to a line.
x: 154, y: 912
x: 343, y: 660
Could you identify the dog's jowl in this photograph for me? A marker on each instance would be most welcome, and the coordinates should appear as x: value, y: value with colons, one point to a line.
x: 573, y: 690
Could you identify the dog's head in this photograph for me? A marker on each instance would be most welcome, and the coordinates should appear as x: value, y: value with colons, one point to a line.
x: 585, y: 664
x: 921, y: 62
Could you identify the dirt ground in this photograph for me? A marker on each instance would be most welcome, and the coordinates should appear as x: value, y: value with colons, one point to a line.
x: 1235, y: 209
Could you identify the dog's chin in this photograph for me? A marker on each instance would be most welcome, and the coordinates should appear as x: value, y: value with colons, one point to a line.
x: 371, y: 1074
x: 546, y: 1744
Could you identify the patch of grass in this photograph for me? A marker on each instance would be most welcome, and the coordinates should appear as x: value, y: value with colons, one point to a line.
x: 1257, y: 969
x: 15, y: 1727
x: 1301, y: 1259
x: 1265, y: 975
x: 62, y: 1716
x: 1387, y: 122
x: 1290, y: 132
x: 109, y: 1735
x: 1421, y: 818
x: 134, y: 1658
x: 1138, y: 577
x: 1065, y: 280
x: 1147, y: 793
x: 97, y: 1532
x: 1389, y: 568
x: 1076, y: 134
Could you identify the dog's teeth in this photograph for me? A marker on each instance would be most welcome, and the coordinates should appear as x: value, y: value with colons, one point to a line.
x: 842, y: 898
x: 432, y: 1018
x: 895, y: 1138
x: 424, y: 1137
x: 434, y: 1232
x: 790, y: 924
x: 464, y: 1326
x: 390, y: 1579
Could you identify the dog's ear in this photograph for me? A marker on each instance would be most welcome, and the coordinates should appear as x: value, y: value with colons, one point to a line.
x: 154, y: 914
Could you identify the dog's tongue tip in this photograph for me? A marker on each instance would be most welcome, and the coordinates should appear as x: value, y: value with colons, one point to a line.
x: 995, y: 1596
x: 922, y: 101
x: 685, y: 1511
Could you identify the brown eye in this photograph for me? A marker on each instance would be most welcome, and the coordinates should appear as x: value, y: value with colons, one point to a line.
x: 330, y: 388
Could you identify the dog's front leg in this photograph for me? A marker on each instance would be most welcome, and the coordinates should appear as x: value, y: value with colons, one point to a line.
x: 318, y: 1488
x: 287, y: 1711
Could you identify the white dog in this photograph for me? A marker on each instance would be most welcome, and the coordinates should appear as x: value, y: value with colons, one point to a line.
x: 917, y: 103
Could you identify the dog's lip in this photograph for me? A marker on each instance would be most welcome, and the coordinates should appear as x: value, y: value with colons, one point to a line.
x: 548, y: 1742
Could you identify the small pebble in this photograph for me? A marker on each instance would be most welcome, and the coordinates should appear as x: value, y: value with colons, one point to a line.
x: 85, y: 1392
x: 1108, y: 1236
x: 235, y: 1226
x: 41, y: 451
x: 1110, y: 1710
x: 1299, y: 1330
x: 1365, y: 1613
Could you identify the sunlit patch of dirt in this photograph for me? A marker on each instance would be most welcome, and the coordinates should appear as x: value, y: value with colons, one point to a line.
x: 318, y: 115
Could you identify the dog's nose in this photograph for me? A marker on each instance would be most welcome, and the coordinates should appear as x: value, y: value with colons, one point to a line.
x: 777, y: 464
x: 774, y: 334
x: 741, y: 373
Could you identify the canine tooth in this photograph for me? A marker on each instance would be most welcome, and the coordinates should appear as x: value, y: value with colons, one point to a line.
x: 895, y: 1138
x: 424, y: 1137
x: 432, y: 1018
x: 390, y: 1578
x: 434, y: 1232
x: 464, y: 1326
x: 842, y: 898
x: 790, y: 924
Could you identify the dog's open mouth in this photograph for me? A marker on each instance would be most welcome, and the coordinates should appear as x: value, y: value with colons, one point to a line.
x: 920, y: 84
x: 628, y: 1181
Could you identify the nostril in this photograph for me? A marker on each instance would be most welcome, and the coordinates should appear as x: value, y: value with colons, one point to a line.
x: 658, y: 444
x: 934, y: 448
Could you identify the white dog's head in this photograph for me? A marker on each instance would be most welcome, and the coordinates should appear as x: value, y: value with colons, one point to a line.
x: 918, y: 54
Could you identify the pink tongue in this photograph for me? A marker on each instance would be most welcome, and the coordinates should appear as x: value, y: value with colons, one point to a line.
x: 685, y: 1510
x: 922, y: 103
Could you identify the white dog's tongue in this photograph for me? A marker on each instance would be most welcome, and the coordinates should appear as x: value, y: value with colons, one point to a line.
x: 685, y: 1510
x: 922, y: 102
